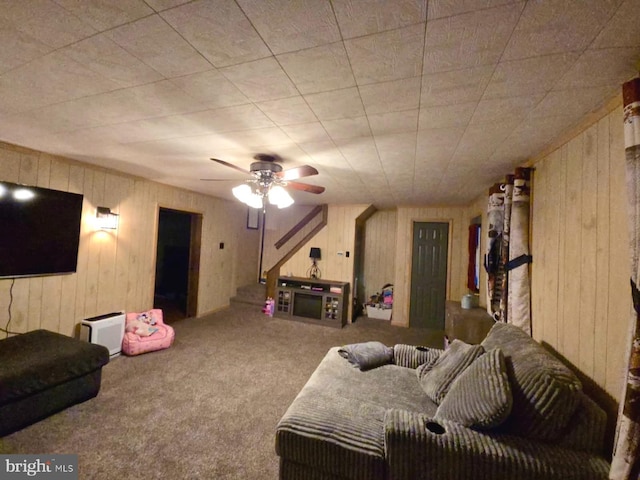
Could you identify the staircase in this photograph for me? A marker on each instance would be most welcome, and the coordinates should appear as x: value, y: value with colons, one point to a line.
x: 253, y: 294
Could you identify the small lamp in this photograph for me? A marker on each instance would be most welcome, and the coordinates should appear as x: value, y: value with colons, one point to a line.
x: 314, y: 255
x: 106, y: 219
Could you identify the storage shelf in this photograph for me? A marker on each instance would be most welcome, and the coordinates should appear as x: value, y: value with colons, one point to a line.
x: 312, y: 300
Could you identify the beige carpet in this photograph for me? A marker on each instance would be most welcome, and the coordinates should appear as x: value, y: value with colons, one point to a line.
x: 204, y: 409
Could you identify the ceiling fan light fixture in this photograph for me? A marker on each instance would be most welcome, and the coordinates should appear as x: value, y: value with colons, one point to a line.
x: 242, y: 192
x: 280, y: 197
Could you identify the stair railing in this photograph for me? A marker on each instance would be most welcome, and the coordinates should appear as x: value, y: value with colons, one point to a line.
x: 274, y: 272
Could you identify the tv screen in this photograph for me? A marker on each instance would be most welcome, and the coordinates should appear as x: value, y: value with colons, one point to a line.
x: 40, y: 230
x: 307, y: 305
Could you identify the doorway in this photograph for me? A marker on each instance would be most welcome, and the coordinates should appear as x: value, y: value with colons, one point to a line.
x: 429, y: 275
x: 177, y: 263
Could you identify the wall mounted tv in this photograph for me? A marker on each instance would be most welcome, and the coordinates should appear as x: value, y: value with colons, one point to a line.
x: 39, y: 231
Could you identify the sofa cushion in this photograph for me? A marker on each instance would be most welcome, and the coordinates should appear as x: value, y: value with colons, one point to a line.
x: 481, y: 396
x: 40, y: 359
x: 545, y: 391
x: 437, y: 379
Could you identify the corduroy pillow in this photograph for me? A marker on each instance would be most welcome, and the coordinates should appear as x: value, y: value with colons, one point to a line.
x: 481, y: 395
x: 437, y: 378
x: 411, y: 356
x: 545, y: 392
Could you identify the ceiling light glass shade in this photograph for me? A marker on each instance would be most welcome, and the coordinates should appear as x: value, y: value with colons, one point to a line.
x: 254, y: 201
x: 279, y: 196
x: 242, y: 192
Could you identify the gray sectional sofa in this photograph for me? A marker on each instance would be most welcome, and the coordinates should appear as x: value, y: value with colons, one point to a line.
x: 502, y: 410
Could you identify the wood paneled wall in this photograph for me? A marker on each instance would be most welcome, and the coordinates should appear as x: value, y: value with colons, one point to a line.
x: 278, y: 223
x: 116, y: 271
x: 580, y: 272
x: 338, y: 236
x: 379, y: 251
x: 458, y: 219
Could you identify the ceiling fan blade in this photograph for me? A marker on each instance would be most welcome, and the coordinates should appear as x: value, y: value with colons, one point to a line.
x: 297, y: 172
x: 305, y: 187
x: 230, y: 165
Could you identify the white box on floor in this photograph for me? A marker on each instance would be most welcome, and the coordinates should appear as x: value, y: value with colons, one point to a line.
x: 107, y: 330
x: 379, y: 313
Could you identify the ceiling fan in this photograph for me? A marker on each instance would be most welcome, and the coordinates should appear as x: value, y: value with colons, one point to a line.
x: 269, y: 181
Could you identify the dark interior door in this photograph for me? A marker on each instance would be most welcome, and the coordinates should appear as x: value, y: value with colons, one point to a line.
x: 429, y: 275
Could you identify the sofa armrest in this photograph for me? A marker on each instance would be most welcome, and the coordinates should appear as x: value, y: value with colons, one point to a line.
x: 416, y: 447
x: 412, y: 356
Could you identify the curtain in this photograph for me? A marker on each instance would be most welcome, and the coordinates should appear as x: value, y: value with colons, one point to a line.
x: 473, y: 246
x: 507, y: 256
x: 626, y: 462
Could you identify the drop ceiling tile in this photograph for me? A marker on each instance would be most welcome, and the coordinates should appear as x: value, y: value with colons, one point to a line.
x: 480, y: 141
x: 512, y: 109
x: 260, y: 139
x: 307, y: 23
x: 397, y: 153
x: 449, y: 8
x: 347, y: 128
x: 470, y: 39
x: 613, y: 64
x: 435, y: 147
x: 345, y: 103
x: 159, y: 46
x: 231, y: 119
x: 260, y: 80
x: 105, y: 14
x: 459, y: 86
x: 306, y: 132
x: 529, y: 75
x: 364, y: 17
x: 19, y: 48
x: 388, y: 55
x: 287, y: 111
x: 159, y: 5
x: 557, y: 26
x: 211, y: 88
x: 219, y: 30
x: 360, y: 152
x: 45, y: 22
x: 318, y: 69
x: 574, y: 102
x: 52, y: 79
x: 623, y: 30
x: 106, y: 58
x: 456, y: 115
x: 391, y: 96
x: 394, y: 122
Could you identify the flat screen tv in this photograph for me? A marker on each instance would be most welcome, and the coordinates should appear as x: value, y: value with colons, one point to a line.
x: 39, y: 231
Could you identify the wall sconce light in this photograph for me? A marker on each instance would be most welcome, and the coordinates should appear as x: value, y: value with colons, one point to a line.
x: 314, y: 255
x: 106, y: 219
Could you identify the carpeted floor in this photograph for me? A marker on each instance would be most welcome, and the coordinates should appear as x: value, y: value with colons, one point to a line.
x: 204, y: 409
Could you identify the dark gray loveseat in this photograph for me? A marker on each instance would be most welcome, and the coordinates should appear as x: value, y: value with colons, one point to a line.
x: 506, y: 410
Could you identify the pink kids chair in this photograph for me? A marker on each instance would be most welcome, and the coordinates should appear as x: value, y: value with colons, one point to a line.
x: 146, y: 332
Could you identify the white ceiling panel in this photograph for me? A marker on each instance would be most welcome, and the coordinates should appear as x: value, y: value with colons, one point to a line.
x: 469, y: 40
x: 395, y: 103
x: 387, y: 56
x: 318, y: 69
x: 358, y: 18
x: 307, y: 23
x: 218, y: 30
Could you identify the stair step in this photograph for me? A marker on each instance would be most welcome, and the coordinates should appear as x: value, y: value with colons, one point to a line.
x: 253, y: 294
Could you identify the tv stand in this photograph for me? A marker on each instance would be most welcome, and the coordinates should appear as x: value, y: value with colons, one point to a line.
x: 312, y: 300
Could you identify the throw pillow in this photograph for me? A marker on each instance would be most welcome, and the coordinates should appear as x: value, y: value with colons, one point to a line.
x: 436, y: 380
x: 412, y: 356
x: 481, y: 395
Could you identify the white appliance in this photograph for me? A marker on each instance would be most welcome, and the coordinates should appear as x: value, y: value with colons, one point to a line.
x: 107, y: 330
